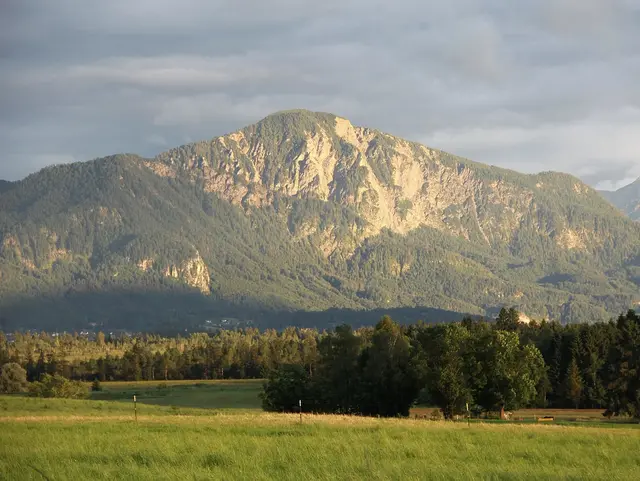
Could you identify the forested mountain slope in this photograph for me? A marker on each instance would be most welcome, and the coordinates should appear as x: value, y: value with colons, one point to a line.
x: 5, y: 185
x: 303, y: 211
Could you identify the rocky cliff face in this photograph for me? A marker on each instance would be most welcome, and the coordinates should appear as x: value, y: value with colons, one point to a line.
x: 193, y: 272
x: 391, y: 183
x: 11, y: 247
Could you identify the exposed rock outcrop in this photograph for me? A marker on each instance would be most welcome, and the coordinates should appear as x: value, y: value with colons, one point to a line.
x: 391, y: 183
x: 193, y: 272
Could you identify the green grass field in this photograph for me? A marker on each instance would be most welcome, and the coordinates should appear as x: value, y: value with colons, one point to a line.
x: 59, y: 439
x: 216, y: 394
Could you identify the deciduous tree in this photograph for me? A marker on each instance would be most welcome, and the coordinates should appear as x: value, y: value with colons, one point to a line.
x: 13, y: 378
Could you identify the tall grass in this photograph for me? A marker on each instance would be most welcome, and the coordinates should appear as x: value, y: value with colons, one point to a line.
x: 68, y: 440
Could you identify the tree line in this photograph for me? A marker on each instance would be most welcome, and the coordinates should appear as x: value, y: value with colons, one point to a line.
x: 381, y: 370
x: 467, y: 366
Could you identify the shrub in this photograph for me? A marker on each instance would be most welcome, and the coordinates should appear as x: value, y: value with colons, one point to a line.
x: 436, y: 415
x: 13, y: 378
x: 96, y: 386
x: 58, y: 386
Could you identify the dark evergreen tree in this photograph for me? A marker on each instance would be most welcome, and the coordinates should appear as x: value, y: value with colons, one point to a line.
x: 508, y: 319
x: 337, y: 372
x: 573, y: 384
x: 623, y: 373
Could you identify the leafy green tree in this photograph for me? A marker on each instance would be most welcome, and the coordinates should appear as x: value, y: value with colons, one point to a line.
x: 13, y: 378
x: 4, y: 351
x: 532, y: 380
x: 285, y: 387
x: 389, y: 381
x: 511, y: 373
x: 336, y: 379
x: 447, y: 375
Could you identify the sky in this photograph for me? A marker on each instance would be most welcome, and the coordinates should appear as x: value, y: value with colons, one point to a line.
x: 532, y: 85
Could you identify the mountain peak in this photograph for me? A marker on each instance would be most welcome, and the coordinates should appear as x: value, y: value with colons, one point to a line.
x: 291, y: 122
x: 298, y: 113
x: 390, y: 182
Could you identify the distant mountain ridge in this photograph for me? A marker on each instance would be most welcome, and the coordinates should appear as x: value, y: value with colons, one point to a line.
x: 627, y: 199
x: 5, y: 185
x: 305, y: 212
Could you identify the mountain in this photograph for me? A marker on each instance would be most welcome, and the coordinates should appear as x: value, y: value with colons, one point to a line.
x: 300, y: 213
x: 5, y: 185
x: 627, y: 199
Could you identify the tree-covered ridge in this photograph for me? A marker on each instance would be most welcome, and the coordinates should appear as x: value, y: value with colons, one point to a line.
x: 627, y: 199
x: 132, y: 231
x: 5, y: 185
x: 298, y: 214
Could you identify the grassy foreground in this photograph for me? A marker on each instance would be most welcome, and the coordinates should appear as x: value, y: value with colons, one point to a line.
x: 64, y: 439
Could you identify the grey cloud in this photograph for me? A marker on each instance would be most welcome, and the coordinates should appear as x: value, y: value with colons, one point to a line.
x: 599, y: 150
x: 582, y: 16
x: 220, y: 107
x: 539, y: 85
x: 184, y: 72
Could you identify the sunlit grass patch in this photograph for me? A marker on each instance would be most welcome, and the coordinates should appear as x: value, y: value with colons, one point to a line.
x: 74, y: 440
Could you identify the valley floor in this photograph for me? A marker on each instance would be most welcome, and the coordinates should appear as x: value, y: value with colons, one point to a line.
x: 67, y: 439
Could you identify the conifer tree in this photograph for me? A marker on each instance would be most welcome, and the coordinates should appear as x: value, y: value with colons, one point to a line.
x: 573, y: 383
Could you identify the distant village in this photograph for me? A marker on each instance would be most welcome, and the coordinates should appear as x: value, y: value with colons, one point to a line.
x: 92, y: 330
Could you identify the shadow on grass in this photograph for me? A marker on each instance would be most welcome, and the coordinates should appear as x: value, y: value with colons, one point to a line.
x: 220, y: 395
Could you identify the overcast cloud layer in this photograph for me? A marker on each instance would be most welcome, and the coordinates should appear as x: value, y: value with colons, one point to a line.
x: 531, y: 85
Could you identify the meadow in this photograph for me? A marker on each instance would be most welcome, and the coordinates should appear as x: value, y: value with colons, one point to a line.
x: 232, y: 394
x: 215, y: 430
